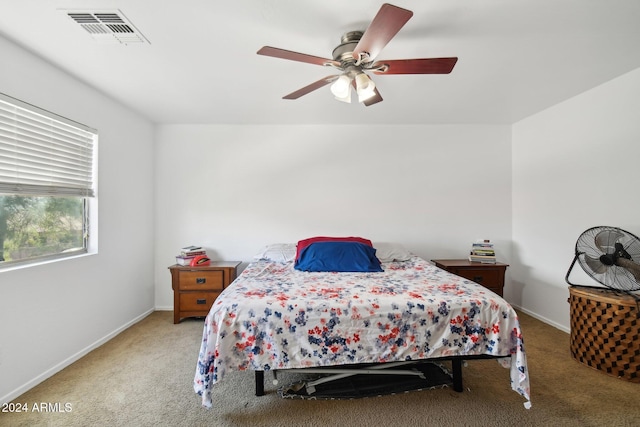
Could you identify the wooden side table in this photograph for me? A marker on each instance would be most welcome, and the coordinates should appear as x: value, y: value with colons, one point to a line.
x: 491, y: 276
x: 196, y: 288
x: 605, y: 327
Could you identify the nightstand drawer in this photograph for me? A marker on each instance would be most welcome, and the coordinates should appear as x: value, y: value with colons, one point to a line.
x: 491, y: 276
x: 197, y: 301
x: 487, y: 278
x: 201, y: 280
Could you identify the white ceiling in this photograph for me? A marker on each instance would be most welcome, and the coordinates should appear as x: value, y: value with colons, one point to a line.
x: 516, y: 57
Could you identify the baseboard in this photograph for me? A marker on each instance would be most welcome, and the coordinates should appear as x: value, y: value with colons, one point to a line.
x: 60, y: 366
x: 543, y: 319
x: 164, y: 308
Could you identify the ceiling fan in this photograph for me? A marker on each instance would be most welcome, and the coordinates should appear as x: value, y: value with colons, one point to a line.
x: 357, y: 53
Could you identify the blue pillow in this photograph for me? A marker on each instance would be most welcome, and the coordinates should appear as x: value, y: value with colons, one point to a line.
x: 338, y: 256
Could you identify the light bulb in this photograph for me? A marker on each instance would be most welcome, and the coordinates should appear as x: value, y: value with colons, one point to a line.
x: 341, y: 88
x: 347, y: 97
x: 365, y: 87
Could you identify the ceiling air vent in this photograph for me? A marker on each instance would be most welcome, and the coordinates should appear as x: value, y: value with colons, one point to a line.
x: 109, y: 26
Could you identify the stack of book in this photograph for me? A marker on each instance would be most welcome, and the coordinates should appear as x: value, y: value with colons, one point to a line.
x: 482, y: 251
x: 188, y: 253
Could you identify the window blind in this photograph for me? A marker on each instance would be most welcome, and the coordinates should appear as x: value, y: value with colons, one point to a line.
x: 44, y: 154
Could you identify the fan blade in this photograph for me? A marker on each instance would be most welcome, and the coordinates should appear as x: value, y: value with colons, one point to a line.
x: 386, y: 24
x: 310, y: 88
x: 295, y: 56
x: 416, y: 66
x: 374, y: 99
x: 630, y: 266
x: 595, y: 265
x: 606, y: 239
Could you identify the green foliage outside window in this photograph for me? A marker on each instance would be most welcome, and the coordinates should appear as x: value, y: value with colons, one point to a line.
x: 34, y: 227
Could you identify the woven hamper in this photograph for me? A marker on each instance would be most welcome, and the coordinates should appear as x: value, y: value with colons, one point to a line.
x: 605, y: 331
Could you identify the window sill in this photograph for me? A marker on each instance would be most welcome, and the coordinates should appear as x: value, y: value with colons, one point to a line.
x: 29, y: 264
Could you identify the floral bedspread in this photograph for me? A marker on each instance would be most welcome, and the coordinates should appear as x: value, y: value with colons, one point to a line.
x: 275, y: 317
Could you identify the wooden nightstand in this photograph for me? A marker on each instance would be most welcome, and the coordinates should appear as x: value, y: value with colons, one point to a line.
x: 490, y: 276
x: 196, y: 288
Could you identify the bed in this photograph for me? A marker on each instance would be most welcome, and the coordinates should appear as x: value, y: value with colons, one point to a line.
x: 275, y: 316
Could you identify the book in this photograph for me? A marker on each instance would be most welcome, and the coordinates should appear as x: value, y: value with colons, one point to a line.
x: 192, y: 251
x: 482, y: 245
x: 184, y: 260
x: 483, y: 252
x: 487, y: 256
x: 482, y: 259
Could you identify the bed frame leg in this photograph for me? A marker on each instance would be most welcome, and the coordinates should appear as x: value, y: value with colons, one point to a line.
x: 259, y: 383
x: 456, y: 366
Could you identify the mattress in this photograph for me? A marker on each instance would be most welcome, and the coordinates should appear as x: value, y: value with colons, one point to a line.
x: 276, y: 317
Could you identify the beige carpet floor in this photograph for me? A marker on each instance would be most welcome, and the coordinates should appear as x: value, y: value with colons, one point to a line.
x: 143, y: 377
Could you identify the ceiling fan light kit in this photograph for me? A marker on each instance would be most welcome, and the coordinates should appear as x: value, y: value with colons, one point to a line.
x: 365, y: 87
x: 357, y: 53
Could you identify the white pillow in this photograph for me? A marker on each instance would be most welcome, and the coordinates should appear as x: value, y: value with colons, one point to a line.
x: 277, y: 252
x: 387, y: 252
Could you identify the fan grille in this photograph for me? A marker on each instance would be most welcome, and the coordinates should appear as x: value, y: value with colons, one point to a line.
x: 596, y: 250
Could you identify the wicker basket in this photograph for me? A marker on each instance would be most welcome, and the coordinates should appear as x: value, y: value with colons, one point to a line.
x: 605, y: 331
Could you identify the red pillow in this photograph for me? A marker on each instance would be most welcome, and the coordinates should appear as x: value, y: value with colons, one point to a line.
x: 306, y: 242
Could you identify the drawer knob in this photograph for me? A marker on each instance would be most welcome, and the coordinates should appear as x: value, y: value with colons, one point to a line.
x: 201, y: 301
x: 201, y: 280
x: 477, y: 279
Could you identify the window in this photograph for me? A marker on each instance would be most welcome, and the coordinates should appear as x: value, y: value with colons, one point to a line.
x: 47, y: 169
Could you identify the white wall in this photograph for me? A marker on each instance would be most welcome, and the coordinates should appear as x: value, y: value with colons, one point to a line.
x: 575, y: 166
x: 234, y: 189
x: 53, y: 313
